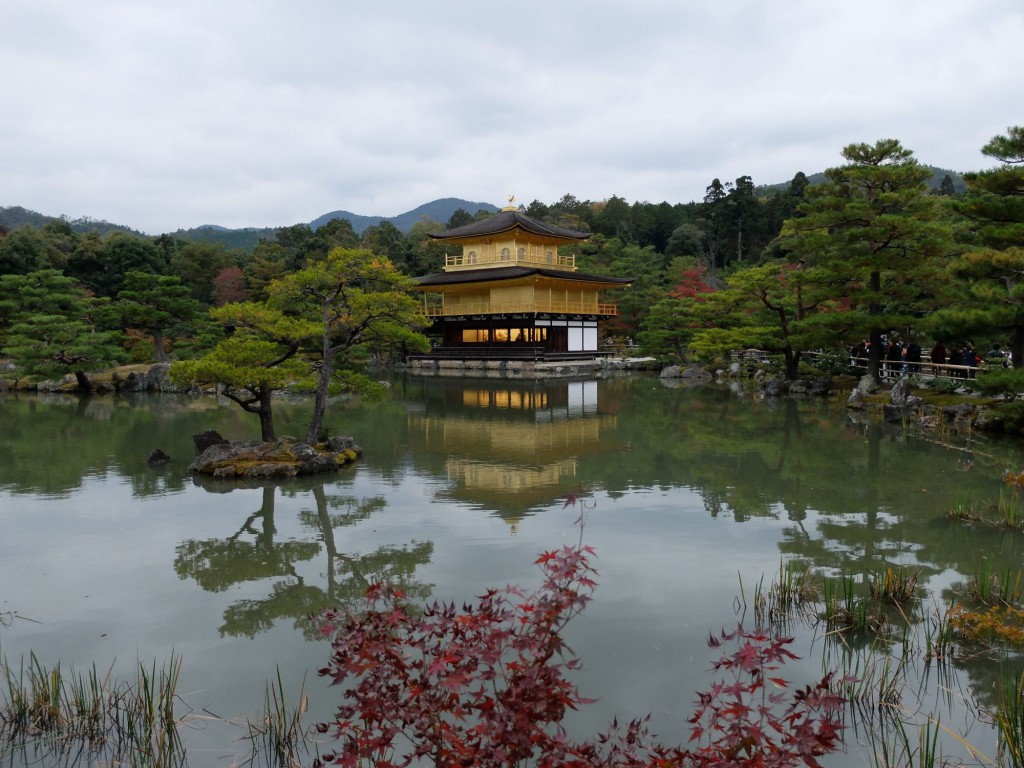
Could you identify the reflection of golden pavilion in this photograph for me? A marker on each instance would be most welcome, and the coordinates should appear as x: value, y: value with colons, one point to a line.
x: 512, y: 446
x: 484, y: 476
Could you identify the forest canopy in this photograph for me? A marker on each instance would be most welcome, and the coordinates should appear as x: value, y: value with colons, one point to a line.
x: 778, y: 267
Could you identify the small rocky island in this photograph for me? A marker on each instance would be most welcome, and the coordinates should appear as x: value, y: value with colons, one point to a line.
x: 258, y: 460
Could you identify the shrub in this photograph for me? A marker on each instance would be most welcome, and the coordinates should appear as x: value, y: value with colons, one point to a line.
x: 486, y: 686
x: 1005, y: 417
x: 833, y: 362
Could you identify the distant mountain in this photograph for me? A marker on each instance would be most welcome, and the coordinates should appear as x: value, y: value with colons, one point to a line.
x: 16, y: 216
x: 247, y: 238
x: 438, y: 210
x: 938, y: 174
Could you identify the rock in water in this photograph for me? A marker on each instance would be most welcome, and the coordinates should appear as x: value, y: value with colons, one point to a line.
x: 157, y: 457
x: 204, y: 440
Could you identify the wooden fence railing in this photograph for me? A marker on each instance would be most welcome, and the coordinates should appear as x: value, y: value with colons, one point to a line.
x: 894, y: 368
x: 925, y: 368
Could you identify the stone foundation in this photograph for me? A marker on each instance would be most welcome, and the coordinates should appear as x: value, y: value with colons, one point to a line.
x: 525, y: 369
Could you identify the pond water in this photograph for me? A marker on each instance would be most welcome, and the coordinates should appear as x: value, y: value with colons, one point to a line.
x: 693, y: 496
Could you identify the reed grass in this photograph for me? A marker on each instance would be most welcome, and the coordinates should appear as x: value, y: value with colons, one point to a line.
x: 279, y: 739
x: 896, y: 585
x: 1009, y: 719
x: 938, y: 634
x: 88, y: 714
x: 902, y: 753
x: 963, y: 509
x: 844, y: 609
x: 989, y: 588
x: 146, y: 722
x: 874, y: 679
x: 792, y: 592
x: 1010, y: 509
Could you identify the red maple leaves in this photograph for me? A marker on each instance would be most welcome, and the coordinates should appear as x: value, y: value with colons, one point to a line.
x: 485, y: 685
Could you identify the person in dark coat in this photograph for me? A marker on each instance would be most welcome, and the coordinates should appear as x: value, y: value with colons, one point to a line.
x: 938, y: 357
x: 894, y: 358
x: 969, y: 359
x: 912, y: 354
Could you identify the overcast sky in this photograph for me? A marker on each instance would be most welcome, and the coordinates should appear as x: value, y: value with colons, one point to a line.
x: 173, y: 114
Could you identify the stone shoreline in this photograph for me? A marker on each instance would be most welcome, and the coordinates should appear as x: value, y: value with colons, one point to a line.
x: 154, y: 377
x: 527, y: 369
x: 863, y: 396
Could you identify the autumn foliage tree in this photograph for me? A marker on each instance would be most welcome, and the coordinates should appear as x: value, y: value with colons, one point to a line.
x: 229, y: 286
x: 672, y: 321
x: 487, y: 685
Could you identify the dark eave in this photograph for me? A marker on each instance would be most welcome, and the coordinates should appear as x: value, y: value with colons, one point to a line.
x: 512, y: 273
x: 505, y: 221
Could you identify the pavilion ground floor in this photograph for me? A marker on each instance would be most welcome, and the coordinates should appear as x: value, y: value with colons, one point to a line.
x: 521, y: 337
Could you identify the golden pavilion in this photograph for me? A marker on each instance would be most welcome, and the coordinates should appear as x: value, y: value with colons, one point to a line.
x: 511, y: 291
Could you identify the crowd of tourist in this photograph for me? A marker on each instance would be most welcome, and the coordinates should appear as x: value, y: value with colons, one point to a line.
x: 899, y: 357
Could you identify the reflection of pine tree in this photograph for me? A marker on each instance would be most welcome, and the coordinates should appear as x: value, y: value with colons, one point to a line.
x: 349, y: 575
x: 216, y: 564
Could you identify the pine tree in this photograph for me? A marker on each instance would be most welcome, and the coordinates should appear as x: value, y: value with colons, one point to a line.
x: 874, y: 232
x: 54, y: 327
x: 260, y: 356
x: 992, y: 268
x: 155, y: 303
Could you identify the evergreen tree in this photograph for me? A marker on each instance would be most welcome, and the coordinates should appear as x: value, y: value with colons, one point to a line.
x: 269, y: 263
x: 28, y: 250
x: 54, y: 328
x: 460, y: 218
x: 423, y: 255
x: 122, y: 253
x: 686, y: 241
x: 354, y: 298
x: 260, y: 356
x: 946, y: 188
x: 713, y: 220
x: 871, y: 228
x: 991, y: 271
x: 537, y: 210
x: 642, y: 265
x: 571, y: 213
x: 385, y: 239
x: 613, y: 218
x: 155, y: 303
x: 743, y: 209
x: 772, y: 307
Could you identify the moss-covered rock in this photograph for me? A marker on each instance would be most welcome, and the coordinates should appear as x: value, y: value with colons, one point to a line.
x: 1003, y: 417
x: 281, y: 458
